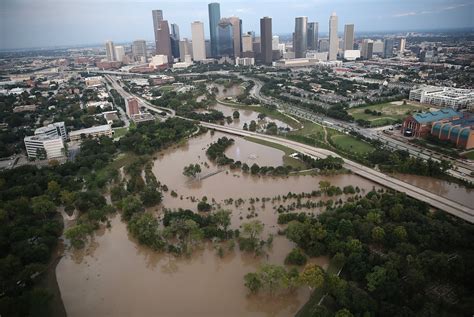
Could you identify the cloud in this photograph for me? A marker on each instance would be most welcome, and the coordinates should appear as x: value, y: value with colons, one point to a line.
x: 437, y: 10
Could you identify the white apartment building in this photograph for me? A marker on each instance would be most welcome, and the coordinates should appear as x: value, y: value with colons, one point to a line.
x: 53, y: 146
x: 53, y: 130
x: 244, y: 61
x: 94, y: 132
x: 455, y: 98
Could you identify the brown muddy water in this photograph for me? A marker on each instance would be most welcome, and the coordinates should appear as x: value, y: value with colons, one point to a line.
x: 441, y: 187
x: 114, y: 276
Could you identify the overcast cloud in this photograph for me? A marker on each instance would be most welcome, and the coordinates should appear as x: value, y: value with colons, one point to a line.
x: 35, y: 23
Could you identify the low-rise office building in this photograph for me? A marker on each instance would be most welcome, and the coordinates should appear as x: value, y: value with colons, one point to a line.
x: 455, y: 98
x: 419, y: 124
x: 53, y: 129
x: 44, y: 147
x: 93, y: 132
x: 459, y: 132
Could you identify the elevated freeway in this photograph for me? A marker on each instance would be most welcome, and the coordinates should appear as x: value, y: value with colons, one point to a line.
x: 442, y: 203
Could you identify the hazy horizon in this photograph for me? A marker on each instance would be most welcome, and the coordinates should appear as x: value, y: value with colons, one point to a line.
x: 56, y: 23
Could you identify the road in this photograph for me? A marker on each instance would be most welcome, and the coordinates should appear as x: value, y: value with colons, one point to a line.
x: 461, y: 170
x: 142, y: 102
x: 442, y: 203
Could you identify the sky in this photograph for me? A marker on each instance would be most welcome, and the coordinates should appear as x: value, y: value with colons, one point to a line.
x: 44, y: 23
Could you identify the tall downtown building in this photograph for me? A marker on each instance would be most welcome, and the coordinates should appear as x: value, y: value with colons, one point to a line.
x: 162, y: 35
x: 110, y: 51
x: 236, y: 35
x: 214, y: 18
x: 348, y: 37
x: 313, y: 38
x: 333, y: 38
x: 300, y: 39
x: 139, y: 50
x: 225, y: 38
x: 198, y: 43
x: 174, y: 38
x: 266, y: 39
x: 388, y: 48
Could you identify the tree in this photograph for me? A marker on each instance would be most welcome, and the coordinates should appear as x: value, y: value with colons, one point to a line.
x: 150, y: 196
x: 296, y: 257
x: 249, y: 239
x: 42, y: 205
x: 222, y: 219
x: 130, y: 206
x: 192, y: 170
x: 254, y: 169
x: 376, y: 278
x: 253, y: 282
x: 253, y: 126
x: 378, y: 234
x: 312, y: 276
x: 272, y: 276
x: 187, y: 232
x: 400, y: 233
x: 236, y: 114
x: 343, y: 313
x: 53, y: 190
x: 261, y: 116
x: 245, y: 168
x: 324, y: 186
x: 245, y: 127
x: 203, y: 206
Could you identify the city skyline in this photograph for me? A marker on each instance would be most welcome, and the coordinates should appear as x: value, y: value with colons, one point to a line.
x: 85, y: 22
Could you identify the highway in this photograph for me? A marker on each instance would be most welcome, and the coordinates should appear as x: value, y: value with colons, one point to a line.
x: 460, y: 170
x: 442, y: 203
x: 445, y: 204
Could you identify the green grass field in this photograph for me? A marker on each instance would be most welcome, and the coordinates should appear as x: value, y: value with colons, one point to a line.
x: 119, y: 132
x: 349, y: 143
x: 470, y: 155
x: 391, y: 112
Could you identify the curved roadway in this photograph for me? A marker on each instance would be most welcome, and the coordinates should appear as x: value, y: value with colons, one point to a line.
x: 434, y: 200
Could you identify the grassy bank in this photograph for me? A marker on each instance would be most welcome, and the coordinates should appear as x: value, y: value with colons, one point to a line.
x: 273, y: 114
x: 287, y: 160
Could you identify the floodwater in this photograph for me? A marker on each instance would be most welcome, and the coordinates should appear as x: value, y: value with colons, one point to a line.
x: 441, y: 187
x: 246, y: 116
x: 115, y: 276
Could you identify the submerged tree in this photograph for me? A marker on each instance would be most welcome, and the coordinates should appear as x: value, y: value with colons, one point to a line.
x: 192, y: 170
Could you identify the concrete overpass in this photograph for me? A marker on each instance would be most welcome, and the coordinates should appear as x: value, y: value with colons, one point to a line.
x: 442, y: 203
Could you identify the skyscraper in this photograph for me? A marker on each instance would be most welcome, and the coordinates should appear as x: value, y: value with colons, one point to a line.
x: 185, y: 48
x: 348, y: 37
x: 225, y: 34
x: 199, y: 47
x: 266, y: 39
x: 214, y: 18
x: 300, y: 40
x: 119, y: 53
x: 162, y: 34
x: 139, y: 50
x: 366, y: 49
x: 333, y: 38
x: 402, y: 45
x: 313, y: 37
x: 387, y: 48
x: 236, y: 34
x: 247, y: 43
x: 275, y: 42
x: 110, y: 51
x: 174, y: 38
